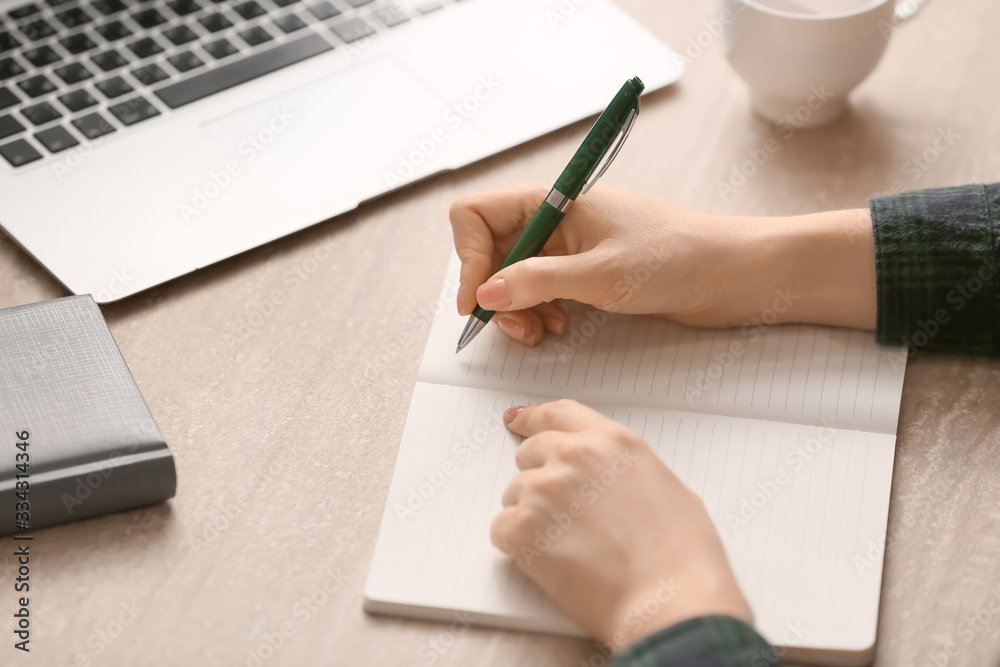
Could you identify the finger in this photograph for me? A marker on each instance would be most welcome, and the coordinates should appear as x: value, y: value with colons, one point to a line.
x: 477, y: 222
x: 564, y: 415
x: 553, y: 316
x: 536, y: 451
x: 513, y: 492
x: 501, y: 529
x: 546, y: 278
x: 523, y: 326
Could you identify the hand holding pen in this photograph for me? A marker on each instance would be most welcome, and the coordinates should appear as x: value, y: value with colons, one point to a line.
x: 591, y: 160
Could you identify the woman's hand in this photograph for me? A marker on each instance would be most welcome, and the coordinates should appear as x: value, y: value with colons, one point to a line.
x: 621, y: 252
x: 607, y: 530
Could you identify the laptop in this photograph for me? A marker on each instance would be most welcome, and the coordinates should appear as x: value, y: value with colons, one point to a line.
x: 143, y: 139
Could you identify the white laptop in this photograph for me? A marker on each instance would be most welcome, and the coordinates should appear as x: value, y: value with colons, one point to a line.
x: 141, y: 140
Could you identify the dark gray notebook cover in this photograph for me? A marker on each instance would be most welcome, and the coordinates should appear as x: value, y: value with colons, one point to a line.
x: 93, y: 446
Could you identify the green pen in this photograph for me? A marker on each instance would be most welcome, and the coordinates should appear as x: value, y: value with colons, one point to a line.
x: 592, y: 159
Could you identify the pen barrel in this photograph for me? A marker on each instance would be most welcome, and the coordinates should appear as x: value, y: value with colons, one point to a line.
x: 529, y: 244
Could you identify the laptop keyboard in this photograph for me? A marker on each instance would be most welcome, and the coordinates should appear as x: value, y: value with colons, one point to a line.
x: 77, y: 70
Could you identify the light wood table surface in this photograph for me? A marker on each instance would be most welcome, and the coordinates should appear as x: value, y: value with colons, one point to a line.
x: 285, y: 427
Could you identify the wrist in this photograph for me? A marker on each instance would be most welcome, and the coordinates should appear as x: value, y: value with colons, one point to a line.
x: 824, y: 269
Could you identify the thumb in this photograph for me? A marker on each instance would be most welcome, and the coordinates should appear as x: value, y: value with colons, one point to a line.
x: 541, y: 279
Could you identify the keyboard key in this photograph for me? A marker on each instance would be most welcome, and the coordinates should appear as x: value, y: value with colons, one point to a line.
x: 56, y: 139
x: 73, y: 73
x: 249, y: 10
x: 9, y: 126
x: 78, y: 43
x: 359, y: 3
x: 9, y: 68
x: 284, y: 3
x: 8, y: 98
x: 149, y: 18
x: 41, y: 56
x: 108, y: 7
x: 150, y: 74
x: 145, y: 47
x: 93, y: 126
x: 8, y: 41
x: 185, y: 61
x: 57, y: 3
x: 255, y: 35
x: 390, y: 16
x: 109, y: 60
x: 220, y: 49
x: 40, y: 114
x: 289, y: 23
x: 323, y: 10
x: 23, y: 12
x: 243, y: 70
x: 114, y: 31
x: 215, y: 22
x: 183, y: 7
x: 19, y: 153
x: 77, y: 100
x: 75, y: 17
x: 428, y: 7
x: 134, y: 111
x: 114, y: 87
x: 37, y: 29
x: 180, y: 35
x: 353, y: 30
x: 36, y: 86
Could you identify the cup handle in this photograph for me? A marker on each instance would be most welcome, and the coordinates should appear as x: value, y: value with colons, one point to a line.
x: 907, y: 9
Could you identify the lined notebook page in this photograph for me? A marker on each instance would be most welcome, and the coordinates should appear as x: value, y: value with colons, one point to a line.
x: 798, y: 374
x: 792, y: 544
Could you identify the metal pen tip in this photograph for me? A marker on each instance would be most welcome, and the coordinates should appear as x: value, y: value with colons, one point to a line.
x: 472, y: 329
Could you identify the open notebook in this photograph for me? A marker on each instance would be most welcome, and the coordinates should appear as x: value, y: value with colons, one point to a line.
x: 786, y: 432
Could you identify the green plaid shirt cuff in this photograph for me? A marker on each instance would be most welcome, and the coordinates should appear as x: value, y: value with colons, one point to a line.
x: 710, y: 641
x: 936, y: 255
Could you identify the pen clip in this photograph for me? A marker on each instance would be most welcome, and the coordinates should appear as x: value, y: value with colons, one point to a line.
x: 612, y: 152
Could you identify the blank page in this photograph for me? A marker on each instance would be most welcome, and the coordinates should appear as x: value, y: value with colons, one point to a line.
x: 800, y: 374
x: 794, y: 506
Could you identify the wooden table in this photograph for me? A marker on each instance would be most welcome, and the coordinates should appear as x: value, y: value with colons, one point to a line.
x: 285, y: 424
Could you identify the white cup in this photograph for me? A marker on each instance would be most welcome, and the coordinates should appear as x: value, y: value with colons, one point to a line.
x: 801, y: 58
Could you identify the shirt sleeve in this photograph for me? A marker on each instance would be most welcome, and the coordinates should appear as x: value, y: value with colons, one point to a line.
x: 936, y: 255
x: 710, y: 641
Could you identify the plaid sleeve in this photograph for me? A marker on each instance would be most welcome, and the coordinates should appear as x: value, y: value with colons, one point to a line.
x: 710, y: 641
x: 936, y: 254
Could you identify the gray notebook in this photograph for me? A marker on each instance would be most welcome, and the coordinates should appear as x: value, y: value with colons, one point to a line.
x: 76, y: 437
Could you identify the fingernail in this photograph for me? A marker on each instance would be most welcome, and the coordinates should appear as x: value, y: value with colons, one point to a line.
x: 493, y: 295
x: 511, y: 327
x: 512, y: 413
x: 461, y: 301
x: 556, y: 325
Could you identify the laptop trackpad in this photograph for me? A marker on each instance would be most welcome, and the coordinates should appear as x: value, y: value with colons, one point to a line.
x: 343, y: 138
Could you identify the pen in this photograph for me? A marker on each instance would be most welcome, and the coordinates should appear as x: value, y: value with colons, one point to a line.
x: 589, y: 163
